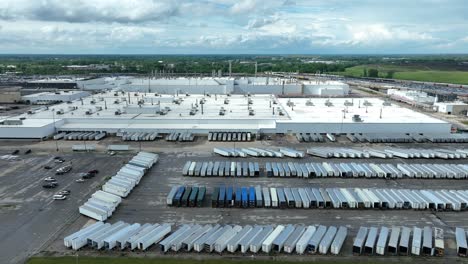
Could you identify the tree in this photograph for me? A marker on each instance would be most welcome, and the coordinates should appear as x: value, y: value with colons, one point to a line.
x: 364, y: 73
x: 373, y: 73
x: 390, y: 74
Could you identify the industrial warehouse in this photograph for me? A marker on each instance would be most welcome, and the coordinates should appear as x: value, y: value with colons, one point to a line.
x: 219, y: 167
x: 118, y: 112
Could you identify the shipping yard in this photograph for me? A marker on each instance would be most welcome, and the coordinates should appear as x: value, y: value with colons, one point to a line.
x: 147, y: 202
x: 125, y: 171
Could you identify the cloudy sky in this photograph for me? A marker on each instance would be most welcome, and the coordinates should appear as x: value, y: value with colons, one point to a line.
x: 233, y: 26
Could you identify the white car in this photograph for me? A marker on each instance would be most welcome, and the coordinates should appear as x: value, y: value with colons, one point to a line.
x: 79, y: 180
x: 50, y: 179
x: 60, y: 197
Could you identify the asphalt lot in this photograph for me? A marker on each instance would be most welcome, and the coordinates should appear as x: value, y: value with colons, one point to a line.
x: 29, y: 217
x: 32, y: 222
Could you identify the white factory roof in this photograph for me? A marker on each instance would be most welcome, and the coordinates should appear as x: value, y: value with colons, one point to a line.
x: 64, y: 93
x: 236, y: 115
x: 56, y: 80
x: 175, y: 81
x: 339, y: 113
x: 450, y: 103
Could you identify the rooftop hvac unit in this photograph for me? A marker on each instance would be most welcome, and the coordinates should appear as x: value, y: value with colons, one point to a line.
x: 386, y: 103
x: 328, y: 103
x: 101, y: 99
x: 202, y: 101
x: 357, y: 118
x: 226, y: 101
x: 309, y: 103
x: 116, y: 94
x: 194, y: 111
x: 98, y: 108
x: 89, y: 112
x: 135, y: 94
x: 348, y: 103
x: 117, y: 101
x: 141, y: 101
x: 289, y: 103
x: 367, y: 103
x: 60, y: 112
x: 118, y: 112
x: 92, y: 101
x: 228, y: 94
x: 251, y: 112
x: 222, y: 111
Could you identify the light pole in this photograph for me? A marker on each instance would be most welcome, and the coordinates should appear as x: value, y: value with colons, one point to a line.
x: 55, y: 130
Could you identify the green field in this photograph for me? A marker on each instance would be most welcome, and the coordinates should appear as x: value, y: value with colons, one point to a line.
x: 411, y: 73
x: 127, y: 260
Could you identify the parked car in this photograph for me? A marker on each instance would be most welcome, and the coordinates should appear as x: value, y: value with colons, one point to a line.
x: 60, y: 197
x: 15, y: 152
x: 88, y: 176
x: 59, y: 160
x: 49, y: 185
x: 47, y: 167
x: 27, y: 151
x: 50, y: 179
x: 111, y: 153
x: 93, y: 172
x: 64, y: 192
x: 63, y: 170
x: 79, y: 180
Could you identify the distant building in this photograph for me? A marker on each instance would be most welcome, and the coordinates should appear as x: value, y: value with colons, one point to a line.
x: 51, y: 97
x: 411, y: 96
x: 10, y: 95
x: 451, y: 108
x: 88, y: 67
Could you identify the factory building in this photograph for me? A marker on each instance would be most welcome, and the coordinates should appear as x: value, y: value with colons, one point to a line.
x: 10, y: 95
x: 244, y: 85
x: 411, y: 96
x: 46, y: 98
x: 117, y: 111
x: 451, y: 108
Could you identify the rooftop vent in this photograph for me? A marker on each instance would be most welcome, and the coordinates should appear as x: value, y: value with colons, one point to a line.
x: 222, y: 111
x: 386, y: 103
x: 309, y: 103
x: 328, y: 103
x: 357, y: 118
x: 367, y: 103
x: 348, y: 103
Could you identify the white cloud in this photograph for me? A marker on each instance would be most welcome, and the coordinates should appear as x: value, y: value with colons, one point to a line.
x: 123, y: 11
x: 378, y: 33
x: 243, y: 6
x: 243, y: 26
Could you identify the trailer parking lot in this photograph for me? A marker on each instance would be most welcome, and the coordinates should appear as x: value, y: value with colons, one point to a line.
x: 147, y: 202
x: 29, y: 217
